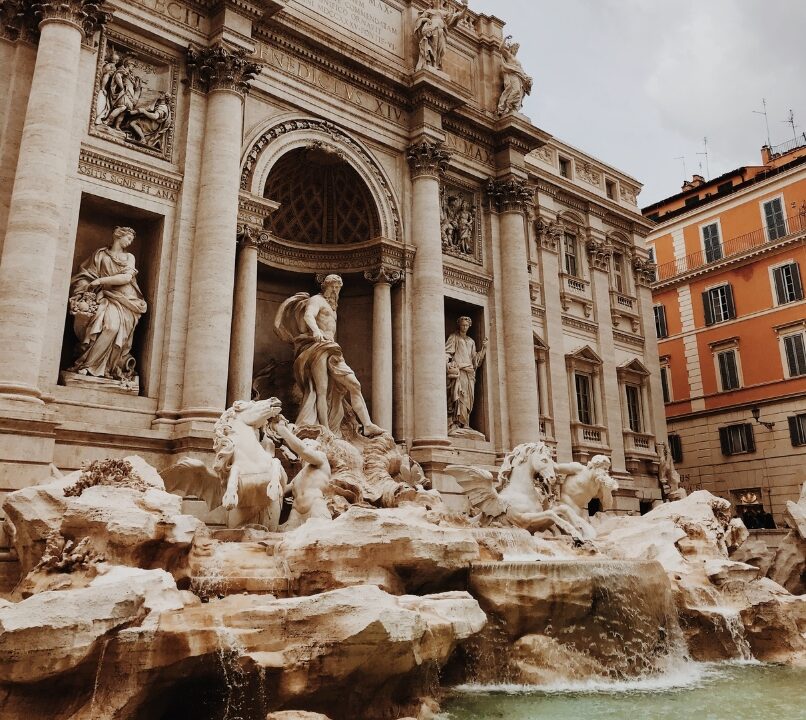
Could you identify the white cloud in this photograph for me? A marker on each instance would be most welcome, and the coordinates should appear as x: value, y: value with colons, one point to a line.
x: 640, y: 82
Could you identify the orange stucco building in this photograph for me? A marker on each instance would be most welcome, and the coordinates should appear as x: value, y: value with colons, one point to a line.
x: 730, y: 316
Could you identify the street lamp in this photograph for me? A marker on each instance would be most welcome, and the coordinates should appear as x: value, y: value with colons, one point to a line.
x: 757, y: 417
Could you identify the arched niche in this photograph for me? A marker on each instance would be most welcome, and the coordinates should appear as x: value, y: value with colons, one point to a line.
x: 271, y: 141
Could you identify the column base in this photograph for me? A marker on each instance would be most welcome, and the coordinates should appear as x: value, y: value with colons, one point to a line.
x: 20, y: 393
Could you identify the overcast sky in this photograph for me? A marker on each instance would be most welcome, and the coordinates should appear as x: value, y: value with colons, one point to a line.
x: 638, y: 83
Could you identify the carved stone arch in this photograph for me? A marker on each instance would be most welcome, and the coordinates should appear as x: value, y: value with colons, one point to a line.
x: 620, y: 241
x: 271, y: 140
x: 573, y: 222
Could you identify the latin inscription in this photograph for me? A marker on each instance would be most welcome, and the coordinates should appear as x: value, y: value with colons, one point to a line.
x: 127, y: 182
x: 374, y: 21
x: 345, y: 91
x: 174, y: 10
x: 468, y: 149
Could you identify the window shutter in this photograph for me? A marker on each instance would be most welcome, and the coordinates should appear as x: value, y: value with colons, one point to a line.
x: 797, y: 281
x: 724, y: 441
x: 729, y: 298
x: 706, y: 306
x: 750, y: 441
x: 794, y: 431
x: 780, y: 288
x: 663, y: 325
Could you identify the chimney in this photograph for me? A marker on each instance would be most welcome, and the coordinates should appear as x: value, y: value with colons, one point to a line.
x: 766, y: 155
x: 695, y: 182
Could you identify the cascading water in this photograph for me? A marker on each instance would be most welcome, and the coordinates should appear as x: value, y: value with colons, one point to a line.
x: 578, y: 617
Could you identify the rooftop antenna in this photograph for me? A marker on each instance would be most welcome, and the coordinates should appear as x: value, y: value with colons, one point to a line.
x: 707, y: 169
x: 685, y: 172
x: 791, y: 121
x: 766, y: 120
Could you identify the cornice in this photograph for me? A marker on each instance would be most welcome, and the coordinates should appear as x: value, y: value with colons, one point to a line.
x: 471, y: 281
x: 360, y: 257
x: 578, y: 324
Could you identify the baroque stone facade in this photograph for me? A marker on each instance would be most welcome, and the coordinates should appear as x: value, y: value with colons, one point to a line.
x: 194, y: 126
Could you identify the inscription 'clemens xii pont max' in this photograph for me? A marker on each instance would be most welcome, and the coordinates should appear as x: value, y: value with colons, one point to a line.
x: 374, y: 21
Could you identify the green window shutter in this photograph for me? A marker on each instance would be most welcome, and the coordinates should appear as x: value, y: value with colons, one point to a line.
x: 730, y: 300
x: 749, y: 439
x: 706, y: 306
x: 724, y: 441
x: 780, y: 286
x: 797, y: 281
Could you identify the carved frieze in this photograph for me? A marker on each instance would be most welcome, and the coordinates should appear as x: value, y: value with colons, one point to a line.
x: 134, y: 100
x: 117, y: 172
x: 344, y: 259
x: 511, y: 195
x: 428, y: 157
x: 629, y: 195
x: 459, y: 224
x: 588, y: 173
x: 469, y: 281
x: 221, y: 67
x: 628, y: 339
x: 545, y: 154
x: 578, y: 324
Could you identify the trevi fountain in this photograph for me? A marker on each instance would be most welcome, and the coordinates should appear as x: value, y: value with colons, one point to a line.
x: 322, y: 416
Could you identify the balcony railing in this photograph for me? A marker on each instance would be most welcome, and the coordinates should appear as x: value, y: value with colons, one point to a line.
x: 588, y: 435
x: 639, y: 443
x: 793, y: 225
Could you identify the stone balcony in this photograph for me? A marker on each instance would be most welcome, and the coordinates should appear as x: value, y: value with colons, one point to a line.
x: 588, y: 440
x: 576, y: 290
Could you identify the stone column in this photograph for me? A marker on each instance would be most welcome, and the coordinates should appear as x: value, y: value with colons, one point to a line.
x: 428, y: 162
x: 225, y: 74
x: 244, y: 314
x: 382, y: 279
x: 36, y: 207
x: 512, y: 198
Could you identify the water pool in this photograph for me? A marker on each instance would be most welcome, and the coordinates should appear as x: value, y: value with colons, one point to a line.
x: 705, y: 691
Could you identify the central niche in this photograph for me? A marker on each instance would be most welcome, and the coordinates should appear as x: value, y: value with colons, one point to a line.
x: 323, y: 200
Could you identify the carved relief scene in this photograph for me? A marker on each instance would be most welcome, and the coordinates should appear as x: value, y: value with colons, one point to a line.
x: 461, y: 230
x: 135, y: 96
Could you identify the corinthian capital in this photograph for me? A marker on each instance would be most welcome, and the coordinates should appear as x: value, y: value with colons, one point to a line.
x: 221, y: 67
x: 428, y: 157
x: 511, y: 195
x: 251, y: 236
x: 383, y: 274
x: 22, y: 18
x: 599, y: 252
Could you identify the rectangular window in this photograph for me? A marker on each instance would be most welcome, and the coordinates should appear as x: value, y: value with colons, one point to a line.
x: 651, y: 253
x: 718, y: 304
x: 634, y: 407
x: 788, y: 286
x: 737, y: 439
x: 795, y: 350
x: 724, y: 188
x: 664, y: 384
x: 676, y: 448
x: 571, y: 255
x: 618, y: 272
x: 610, y: 187
x: 797, y: 429
x: 565, y: 167
x: 728, y: 370
x: 584, y: 398
x: 712, y: 243
x: 661, y: 329
x: 774, y: 219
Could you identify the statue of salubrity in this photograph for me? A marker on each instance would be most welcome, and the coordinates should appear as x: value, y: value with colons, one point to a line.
x: 431, y: 30
x: 517, y: 83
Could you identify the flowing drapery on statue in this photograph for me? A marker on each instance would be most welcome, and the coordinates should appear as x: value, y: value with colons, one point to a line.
x: 106, y: 304
x: 463, y: 361
x: 328, y: 384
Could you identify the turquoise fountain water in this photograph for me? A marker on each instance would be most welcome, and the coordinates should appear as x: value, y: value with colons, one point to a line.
x: 727, y: 691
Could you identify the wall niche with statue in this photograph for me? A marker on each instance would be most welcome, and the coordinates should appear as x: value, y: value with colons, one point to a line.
x: 134, y: 99
x: 108, y: 335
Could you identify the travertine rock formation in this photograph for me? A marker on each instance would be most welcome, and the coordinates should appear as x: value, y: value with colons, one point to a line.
x: 726, y: 609
x: 354, y: 652
x: 595, y: 617
x: 127, y: 526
